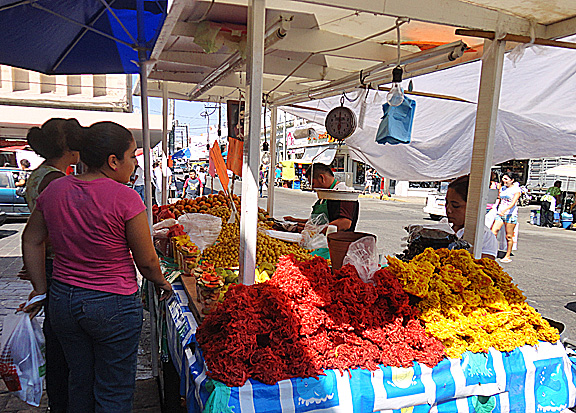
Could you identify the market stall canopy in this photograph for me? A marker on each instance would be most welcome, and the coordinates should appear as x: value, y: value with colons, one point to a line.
x: 182, y: 154
x: 14, y: 122
x: 313, y: 45
x: 563, y: 170
x: 78, y: 37
x: 536, y: 118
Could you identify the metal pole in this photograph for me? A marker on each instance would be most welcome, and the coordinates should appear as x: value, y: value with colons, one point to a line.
x: 285, y: 148
x: 165, y: 188
x: 272, y: 168
x: 147, y: 181
x: 251, y: 158
x: 483, y: 148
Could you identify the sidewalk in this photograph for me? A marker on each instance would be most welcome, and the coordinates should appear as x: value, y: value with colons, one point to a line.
x: 14, y: 291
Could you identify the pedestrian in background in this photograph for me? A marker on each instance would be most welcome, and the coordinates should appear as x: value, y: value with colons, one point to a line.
x: 192, y: 187
x: 507, y: 216
x: 139, y: 181
x: 549, y: 200
x: 98, y: 228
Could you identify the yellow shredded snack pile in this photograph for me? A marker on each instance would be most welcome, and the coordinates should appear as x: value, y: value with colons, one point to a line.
x: 470, y: 304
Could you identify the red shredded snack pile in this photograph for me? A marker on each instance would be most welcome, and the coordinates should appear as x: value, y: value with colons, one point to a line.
x: 306, y: 319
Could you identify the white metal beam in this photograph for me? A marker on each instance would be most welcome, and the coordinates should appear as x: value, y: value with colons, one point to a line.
x: 251, y: 156
x: 483, y: 148
x: 448, y: 12
x: 272, y: 167
x: 176, y: 7
x: 561, y: 29
x: 165, y: 188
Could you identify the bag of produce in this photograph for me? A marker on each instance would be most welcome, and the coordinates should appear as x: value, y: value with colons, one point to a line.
x: 312, y: 236
x: 203, y: 229
x: 363, y: 255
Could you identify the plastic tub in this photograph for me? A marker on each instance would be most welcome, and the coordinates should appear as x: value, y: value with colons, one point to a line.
x: 566, y: 223
x: 338, y: 243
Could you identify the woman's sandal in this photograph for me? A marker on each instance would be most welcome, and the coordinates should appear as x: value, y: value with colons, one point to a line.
x: 505, y: 260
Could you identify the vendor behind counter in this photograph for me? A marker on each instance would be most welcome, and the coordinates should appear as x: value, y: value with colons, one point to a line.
x: 342, y: 214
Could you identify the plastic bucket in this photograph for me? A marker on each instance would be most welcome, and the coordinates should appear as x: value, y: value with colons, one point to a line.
x: 566, y: 223
x: 338, y: 243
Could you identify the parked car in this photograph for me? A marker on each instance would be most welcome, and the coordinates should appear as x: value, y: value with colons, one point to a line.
x: 10, y: 202
x: 436, y: 203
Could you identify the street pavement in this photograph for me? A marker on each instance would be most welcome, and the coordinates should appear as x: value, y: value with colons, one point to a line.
x: 543, y: 267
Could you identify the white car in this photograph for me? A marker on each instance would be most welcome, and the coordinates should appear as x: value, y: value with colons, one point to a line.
x: 436, y: 206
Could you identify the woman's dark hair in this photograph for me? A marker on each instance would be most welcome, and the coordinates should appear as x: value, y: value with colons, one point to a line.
x: 51, y: 139
x: 460, y: 186
x: 101, y: 140
x: 511, y: 175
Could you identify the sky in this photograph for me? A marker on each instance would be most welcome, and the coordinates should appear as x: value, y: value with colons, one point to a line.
x: 186, y: 112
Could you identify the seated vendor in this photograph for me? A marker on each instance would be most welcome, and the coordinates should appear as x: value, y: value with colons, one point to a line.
x: 342, y: 214
x: 456, y: 200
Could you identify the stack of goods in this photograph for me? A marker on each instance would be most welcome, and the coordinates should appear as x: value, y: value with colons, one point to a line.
x: 211, y: 285
x: 306, y: 319
x: 186, y: 253
x: 470, y: 304
x: 268, y: 250
x: 204, y: 205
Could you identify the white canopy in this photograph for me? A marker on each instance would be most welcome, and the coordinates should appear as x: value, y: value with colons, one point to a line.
x: 563, y: 170
x: 536, y: 118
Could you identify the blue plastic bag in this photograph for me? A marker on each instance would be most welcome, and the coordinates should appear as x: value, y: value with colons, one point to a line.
x: 396, y: 124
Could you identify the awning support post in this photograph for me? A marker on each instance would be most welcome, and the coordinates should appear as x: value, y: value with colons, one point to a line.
x: 483, y: 148
x: 147, y: 181
x: 272, y: 168
x: 165, y: 188
x: 251, y: 155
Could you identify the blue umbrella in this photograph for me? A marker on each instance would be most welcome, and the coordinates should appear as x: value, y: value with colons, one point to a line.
x: 182, y: 153
x: 79, y: 36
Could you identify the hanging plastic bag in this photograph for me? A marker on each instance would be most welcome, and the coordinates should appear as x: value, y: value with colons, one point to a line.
x: 363, y: 255
x: 312, y: 235
x: 22, y: 349
x: 396, y: 124
x: 203, y: 229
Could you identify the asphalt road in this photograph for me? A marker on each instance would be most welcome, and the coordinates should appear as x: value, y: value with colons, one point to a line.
x: 544, y: 266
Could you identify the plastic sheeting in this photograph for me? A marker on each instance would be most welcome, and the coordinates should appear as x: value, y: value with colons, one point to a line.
x: 536, y: 118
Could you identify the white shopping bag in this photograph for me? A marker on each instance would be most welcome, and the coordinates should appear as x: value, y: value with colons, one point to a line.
x: 22, y: 350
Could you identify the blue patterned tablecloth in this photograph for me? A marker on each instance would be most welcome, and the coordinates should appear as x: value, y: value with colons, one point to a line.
x: 529, y: 379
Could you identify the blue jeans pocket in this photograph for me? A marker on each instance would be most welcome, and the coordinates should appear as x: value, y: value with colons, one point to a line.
x: 102, y: 311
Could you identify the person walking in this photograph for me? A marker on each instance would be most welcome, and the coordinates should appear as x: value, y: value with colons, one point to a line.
x: 98, y: 228
x: 139, y: 181
x: 507, y: 216
x: 261, y: 177
x: 50, y: 142
x: 549, y: 200
x: 192, y: 187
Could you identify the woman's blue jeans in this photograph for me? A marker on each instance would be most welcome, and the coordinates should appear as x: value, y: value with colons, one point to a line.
x: 99, y: 333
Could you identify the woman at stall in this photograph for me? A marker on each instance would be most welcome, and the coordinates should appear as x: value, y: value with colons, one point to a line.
x: 507, y: 211
x: 98, y: 228
x: 456, y: 201
x: 50, y: 142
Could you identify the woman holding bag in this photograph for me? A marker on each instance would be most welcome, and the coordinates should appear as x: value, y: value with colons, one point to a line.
x: 98, y: 229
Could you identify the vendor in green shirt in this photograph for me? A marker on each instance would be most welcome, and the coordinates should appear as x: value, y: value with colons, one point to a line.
x: 342, y: 214
x: 549, y: 201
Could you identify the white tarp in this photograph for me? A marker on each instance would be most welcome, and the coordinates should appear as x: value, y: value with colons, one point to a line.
x: 537, y: 118
x: 319, y: 154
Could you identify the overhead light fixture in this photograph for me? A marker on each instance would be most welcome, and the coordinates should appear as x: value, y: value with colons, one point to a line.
x: 276, y: 32
x: 396, y: 95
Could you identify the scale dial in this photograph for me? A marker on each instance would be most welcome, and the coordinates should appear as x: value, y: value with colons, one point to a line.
x: 340, y: 123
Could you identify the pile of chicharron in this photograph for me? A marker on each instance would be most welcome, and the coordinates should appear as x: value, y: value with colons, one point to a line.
x: 307, y: 319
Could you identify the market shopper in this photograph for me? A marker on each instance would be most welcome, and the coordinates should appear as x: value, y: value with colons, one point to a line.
x: 98, y: 228
x: 507, y: 216
x: 192, y: 187
x: 456, y: 201
x: 342, y: 214
x: 50, y: 142
x: 139, y: 181
x: 549, y: 200
x: 24, y: 173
